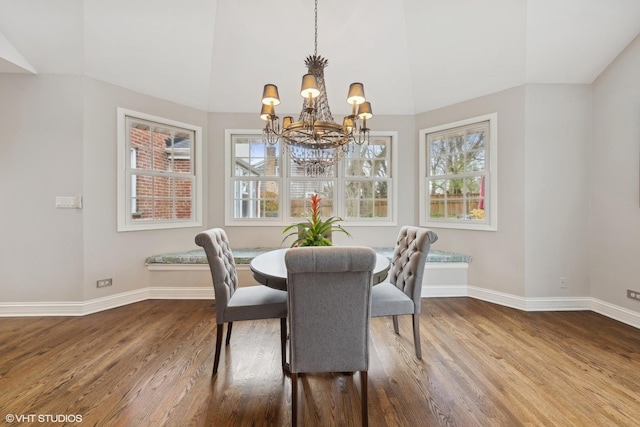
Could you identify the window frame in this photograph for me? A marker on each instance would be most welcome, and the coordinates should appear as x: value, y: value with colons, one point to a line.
x: 125, y: 174
x: 285, y: 179
x: 491, y: 172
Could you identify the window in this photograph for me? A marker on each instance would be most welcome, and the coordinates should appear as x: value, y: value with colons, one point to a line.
x: 159, y: 173
x: 266, y: 187
x: 256, y: 179
x: 458, y: 171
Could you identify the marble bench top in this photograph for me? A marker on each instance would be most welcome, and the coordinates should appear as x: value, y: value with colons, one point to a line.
x: 244, y: 256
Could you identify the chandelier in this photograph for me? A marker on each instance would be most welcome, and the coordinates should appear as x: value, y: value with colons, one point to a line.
x: 315, y: 141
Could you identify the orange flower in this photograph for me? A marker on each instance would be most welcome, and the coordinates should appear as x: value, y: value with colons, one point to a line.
x: 315, y: 208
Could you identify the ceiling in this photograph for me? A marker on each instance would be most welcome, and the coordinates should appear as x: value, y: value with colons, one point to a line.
x: 412, y: 55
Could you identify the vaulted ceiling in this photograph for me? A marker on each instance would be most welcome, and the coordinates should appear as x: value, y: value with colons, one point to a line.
x: 412, y: 55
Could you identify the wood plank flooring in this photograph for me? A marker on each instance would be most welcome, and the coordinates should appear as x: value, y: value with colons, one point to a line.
x: 149, y: 364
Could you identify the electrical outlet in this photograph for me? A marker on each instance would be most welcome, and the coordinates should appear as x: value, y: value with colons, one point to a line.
x: 633, y: 294
x: 563, y: 283
x: 104, y: 282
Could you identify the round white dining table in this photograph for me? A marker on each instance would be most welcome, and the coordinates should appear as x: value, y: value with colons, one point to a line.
x: 270, y: 270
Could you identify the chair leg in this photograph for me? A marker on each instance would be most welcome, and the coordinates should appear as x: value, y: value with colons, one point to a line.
x: 395, y: 325
x: 229, y: 326
x: 416, y: 334
x: 283, y: 341
x: 365, y: 398
x: 216, y: 358
x: 294, y: 400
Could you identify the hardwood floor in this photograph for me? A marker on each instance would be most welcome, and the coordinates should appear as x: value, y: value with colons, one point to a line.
x: 149, y: 364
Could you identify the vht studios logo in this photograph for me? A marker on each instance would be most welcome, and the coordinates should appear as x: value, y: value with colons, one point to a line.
x: 43, y: 418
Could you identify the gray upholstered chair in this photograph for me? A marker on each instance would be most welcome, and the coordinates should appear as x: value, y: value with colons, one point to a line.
x: 329, y: 310
x: 402, y: 293
x: 235, y: 303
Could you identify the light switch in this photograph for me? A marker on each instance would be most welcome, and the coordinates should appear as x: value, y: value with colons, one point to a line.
x: 69, y: 202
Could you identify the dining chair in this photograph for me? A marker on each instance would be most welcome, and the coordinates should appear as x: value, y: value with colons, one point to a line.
x: 235, y: 303
x: 402, y: 293
x: 329, y: 304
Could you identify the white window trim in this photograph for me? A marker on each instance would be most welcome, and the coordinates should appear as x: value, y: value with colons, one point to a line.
x: 491, y: 191
x: 283, y: 220
x: 124, y: 185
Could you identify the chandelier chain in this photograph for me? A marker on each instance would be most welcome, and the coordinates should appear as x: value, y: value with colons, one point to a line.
x: 315, y: 51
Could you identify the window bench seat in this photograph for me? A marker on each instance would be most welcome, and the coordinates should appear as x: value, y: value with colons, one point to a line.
x: 445, y: 272
x: 196, y: 257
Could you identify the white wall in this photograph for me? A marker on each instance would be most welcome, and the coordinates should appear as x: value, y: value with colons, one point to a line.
x: 614, y: 263
x: 558, y: 131
x: 59, y: 138
x: 41, y: 152
x: 109, y: 253
x: 543, y: 219
x: 498, y: 259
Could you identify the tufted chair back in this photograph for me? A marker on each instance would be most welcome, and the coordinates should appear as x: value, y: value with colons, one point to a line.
x: 409, y: 257
x: 329, y: 301
x: 329, y: 307
x: 222, y: 265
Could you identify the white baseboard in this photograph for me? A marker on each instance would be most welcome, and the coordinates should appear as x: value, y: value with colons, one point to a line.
x: 114, y: 301
x: 531, y: 304
x: 21, y: 309
x: 614, y: 312
x: 31, y: 309
x: 521, y: 303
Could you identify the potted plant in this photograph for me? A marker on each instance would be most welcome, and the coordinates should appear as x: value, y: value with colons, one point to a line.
x: 314, y: 231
